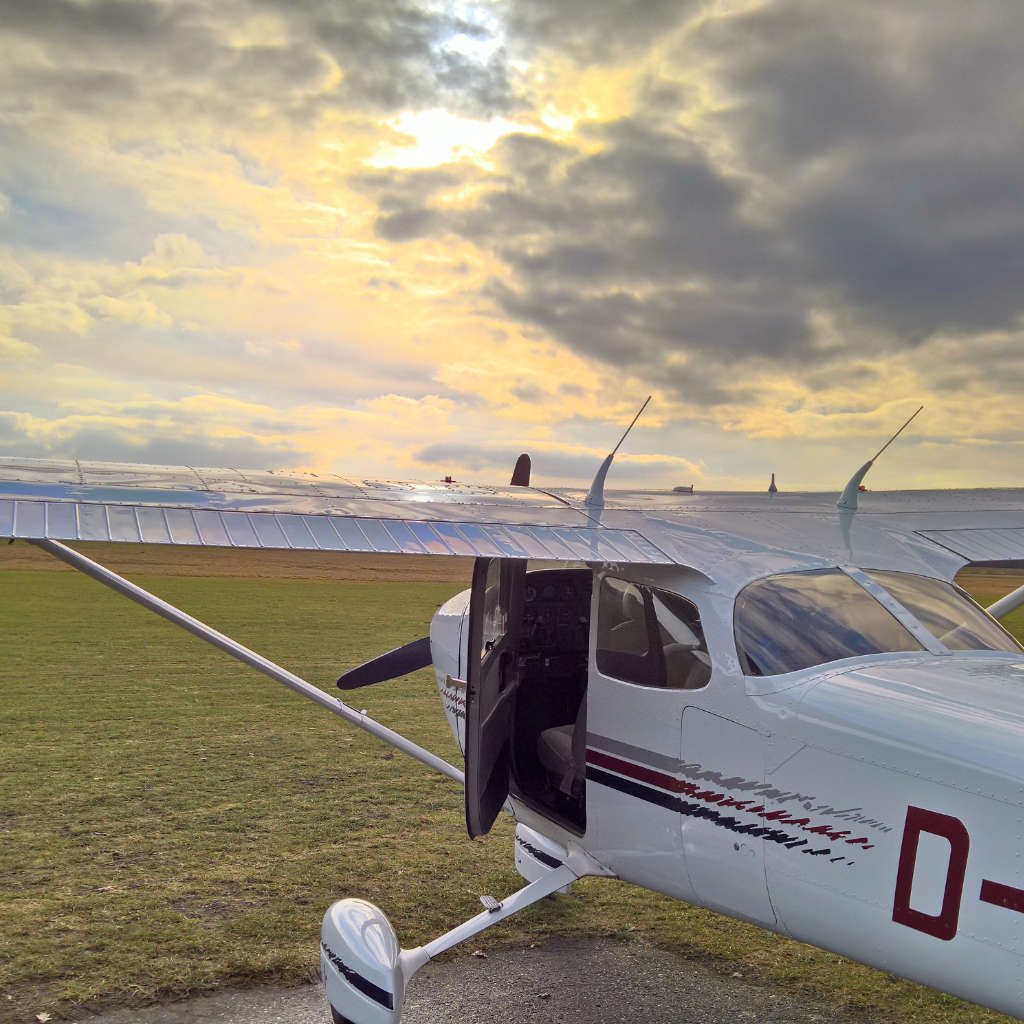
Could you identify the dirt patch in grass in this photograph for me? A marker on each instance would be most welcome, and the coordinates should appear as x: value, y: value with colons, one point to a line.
x: 982, y: 582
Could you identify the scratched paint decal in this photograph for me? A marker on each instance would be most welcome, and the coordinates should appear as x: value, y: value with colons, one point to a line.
x: 766, y: 791
x: 454, y: 702
x: 751, y: 817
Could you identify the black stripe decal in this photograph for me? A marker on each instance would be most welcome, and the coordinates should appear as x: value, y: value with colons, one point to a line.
x: 631, y: 788
x: 378, y: 995
x: 544, y: 858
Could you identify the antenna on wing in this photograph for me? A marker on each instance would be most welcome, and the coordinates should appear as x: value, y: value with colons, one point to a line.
x: 848, y: 499
x: 521, y: 474
x: 595, y: 497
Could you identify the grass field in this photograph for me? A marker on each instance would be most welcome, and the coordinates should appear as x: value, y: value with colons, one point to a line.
x: 170, y: 821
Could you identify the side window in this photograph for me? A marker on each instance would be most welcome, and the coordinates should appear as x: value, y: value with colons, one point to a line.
x: 650, y: 637
x: 623, y: 637
x: 687, y: 662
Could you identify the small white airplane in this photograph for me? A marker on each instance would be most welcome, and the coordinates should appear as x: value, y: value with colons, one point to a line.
x: 764, y: 704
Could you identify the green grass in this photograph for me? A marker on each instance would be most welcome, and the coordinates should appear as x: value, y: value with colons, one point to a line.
x: 171, y: 821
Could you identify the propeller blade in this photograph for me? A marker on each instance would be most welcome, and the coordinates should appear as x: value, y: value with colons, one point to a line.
x: 399, y: 662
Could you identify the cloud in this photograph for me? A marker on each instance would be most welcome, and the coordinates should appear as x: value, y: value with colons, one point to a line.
x: 175, y: 251
x: 630, y: 254
x: 552, y: 465
x: 13, y: 350
x: 111, y: 443
x: 786, y: 219
x: 65, y: 202
x: 273, y: 348
x: 295, y: 59
x: 593, y: 31
x: 887, y: 134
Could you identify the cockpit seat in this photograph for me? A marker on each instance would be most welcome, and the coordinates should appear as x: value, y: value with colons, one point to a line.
x: 562, y: 750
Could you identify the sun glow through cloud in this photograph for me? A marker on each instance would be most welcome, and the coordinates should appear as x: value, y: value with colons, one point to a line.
x: 436, y: 137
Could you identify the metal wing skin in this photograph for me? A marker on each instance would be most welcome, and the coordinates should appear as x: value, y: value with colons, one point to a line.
x: 95, y: 501
x: 731, y: 538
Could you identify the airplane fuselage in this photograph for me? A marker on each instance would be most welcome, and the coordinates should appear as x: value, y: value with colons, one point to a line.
x: 872, y: 806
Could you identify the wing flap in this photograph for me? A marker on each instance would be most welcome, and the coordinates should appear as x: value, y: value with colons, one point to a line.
x: 980, y: 544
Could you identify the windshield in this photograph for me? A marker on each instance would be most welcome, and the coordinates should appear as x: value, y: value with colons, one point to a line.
x: 949, y: 614
x: 799, y: 619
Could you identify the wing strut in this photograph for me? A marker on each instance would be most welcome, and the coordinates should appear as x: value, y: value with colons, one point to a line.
x: 1001, y: 608
x: 135, y: 593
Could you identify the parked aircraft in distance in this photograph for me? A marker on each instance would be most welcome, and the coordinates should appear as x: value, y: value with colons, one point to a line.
x: 767, y: 705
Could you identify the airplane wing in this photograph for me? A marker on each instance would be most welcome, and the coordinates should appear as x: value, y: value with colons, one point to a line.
x: 946, y: 529
x: 69, y: 500
x: 734, y: 539
x: 728, y: 537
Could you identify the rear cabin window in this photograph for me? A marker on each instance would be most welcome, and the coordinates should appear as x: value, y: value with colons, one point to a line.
x: 796, y: 620
x: 946, y: 611
x: 650, y: 637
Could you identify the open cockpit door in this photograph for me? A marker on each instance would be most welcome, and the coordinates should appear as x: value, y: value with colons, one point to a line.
x: 495, y: 618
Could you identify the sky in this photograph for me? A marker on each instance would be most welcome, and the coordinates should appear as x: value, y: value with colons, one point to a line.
x: 401, y: 239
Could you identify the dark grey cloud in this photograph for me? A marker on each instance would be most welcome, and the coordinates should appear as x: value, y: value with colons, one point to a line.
x: 875, y: 157
x: 921, y: 244
x: 111, y: 22
x: 633, y: 255
x: 403, y: 199
x: 404, y: 225
x: 396, y: 55
x: 898, y: 127
x: 593, y: 31
x: 181, y: 59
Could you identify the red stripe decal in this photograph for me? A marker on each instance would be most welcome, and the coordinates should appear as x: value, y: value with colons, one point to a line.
x: 1002, y: 896
x: 639, y: 772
